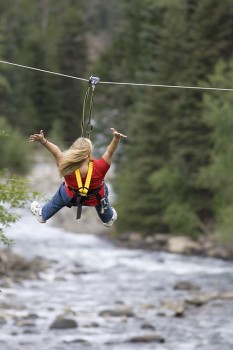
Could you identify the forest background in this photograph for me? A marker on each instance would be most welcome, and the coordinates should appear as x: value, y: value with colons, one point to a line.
x: 174, y: 173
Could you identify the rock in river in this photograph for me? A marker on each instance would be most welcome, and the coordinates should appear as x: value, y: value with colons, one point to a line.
x: 148, y: 338
x: 63, y: 323
x: 121, y: 312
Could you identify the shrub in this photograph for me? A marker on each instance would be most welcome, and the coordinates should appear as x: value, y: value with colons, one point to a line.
x: 14, y: 149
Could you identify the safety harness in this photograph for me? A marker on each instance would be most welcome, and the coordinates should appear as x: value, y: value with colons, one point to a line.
x: 83, y: 192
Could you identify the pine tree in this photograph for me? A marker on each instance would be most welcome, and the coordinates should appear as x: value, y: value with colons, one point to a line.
x: 14, y: 21
x: 218, y: 174
x: 14, y: 190
x: 72, y: 60
x: 48, y: 35
x: 181, y: 141
x: 122, y: 62
x: 4, y: 83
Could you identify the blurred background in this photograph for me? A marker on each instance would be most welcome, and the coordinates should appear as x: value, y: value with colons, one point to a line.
x: 171, y: 177
x: 175, y: 172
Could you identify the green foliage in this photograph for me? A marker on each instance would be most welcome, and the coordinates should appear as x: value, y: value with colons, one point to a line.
x: 4, y: 85
x: 218, y: 174
x: 165, y: 179
x: 14, y: 149
x: 224, y: 227
x: 176, y: 166
x: 168, y: 136
x: 72, y: 60
x: 57, y: 133
x: 47, y: 35
x: 14, y: 193
x: 181, y: 219
x: 104, y: 15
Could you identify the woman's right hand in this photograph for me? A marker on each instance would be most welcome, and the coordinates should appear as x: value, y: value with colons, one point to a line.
x: 117, y: 134
x: 38, y: 137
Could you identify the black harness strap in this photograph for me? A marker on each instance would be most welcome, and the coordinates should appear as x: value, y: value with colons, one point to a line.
x: 77, y: 200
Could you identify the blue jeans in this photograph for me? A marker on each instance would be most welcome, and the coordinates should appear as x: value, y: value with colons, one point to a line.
x: 61, y: 199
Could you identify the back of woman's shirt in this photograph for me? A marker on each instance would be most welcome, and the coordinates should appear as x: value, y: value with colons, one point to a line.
x: 100, y: 168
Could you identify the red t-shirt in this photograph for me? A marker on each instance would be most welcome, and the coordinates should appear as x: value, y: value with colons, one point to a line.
x: 100, y: 168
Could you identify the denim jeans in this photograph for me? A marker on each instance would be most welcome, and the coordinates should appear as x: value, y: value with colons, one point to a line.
x: 61, y: 199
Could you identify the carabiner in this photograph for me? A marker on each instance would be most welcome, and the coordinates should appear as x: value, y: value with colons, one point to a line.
x: 93, y: 81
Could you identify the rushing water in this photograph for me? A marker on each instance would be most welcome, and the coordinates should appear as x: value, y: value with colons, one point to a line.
x: 88, y: 275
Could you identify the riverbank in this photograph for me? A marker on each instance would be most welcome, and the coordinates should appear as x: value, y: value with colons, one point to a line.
x: 204, y: 246
x: 184, y: 245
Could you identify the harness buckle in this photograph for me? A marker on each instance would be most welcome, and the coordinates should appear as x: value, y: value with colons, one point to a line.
x: 89, y: 129
x: 104, y: 205
x: 83, y: 191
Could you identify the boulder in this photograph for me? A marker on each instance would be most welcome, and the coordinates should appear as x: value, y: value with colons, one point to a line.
x: 174, y: 308
x: 218, y: 252
x: 16, y: 267
x: 121, y: 312
x: 147, y: 338
x: 147, y: 326
x: 76, y: 341
x: 63, y: 323
x: 182, y: 245
x: 201, y: 299
x: 226, y: 295
x: 185, y: 285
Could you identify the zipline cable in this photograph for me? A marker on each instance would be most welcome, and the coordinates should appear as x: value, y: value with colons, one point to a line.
x: 120, y: 83
x: 167, y: 86
x: 44, y: 71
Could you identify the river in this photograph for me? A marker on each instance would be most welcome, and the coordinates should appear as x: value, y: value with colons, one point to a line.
x: 88, y: 276
x: 119, y: 299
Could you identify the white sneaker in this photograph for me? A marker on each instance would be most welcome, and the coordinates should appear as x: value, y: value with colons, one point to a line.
x: 114, y: 217
x: 36, y: 210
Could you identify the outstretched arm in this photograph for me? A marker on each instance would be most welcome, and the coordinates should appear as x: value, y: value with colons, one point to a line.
x: 109, y: 153
x: 54, y: 149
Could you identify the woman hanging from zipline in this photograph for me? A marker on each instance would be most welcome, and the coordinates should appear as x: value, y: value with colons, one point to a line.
x: 83, y: 179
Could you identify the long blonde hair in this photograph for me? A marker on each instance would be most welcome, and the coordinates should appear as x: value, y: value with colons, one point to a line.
x: 73, y: 158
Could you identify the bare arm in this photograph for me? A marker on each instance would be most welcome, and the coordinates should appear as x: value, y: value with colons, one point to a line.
x: 54, y: 149
x: 109, y: 153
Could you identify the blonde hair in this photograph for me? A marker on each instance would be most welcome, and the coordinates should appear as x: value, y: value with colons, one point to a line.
x: 73, y: 158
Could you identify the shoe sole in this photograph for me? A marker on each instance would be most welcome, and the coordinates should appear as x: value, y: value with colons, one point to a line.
x: 39, y: 218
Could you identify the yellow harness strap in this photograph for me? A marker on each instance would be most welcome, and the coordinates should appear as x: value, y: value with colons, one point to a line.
x: 83, y: 190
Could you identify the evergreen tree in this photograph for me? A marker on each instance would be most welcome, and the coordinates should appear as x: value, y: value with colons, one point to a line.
x: 15, y: 150
x: 72, y: 60
x: 4, y: 84
x: 218, y: 174
x: 181, y: 142
x: 45, y: 95
x: 47, y: 35
x: 17, y: 23
x: 209, y: 27
x: 14, y: 190
x: 121, y: 63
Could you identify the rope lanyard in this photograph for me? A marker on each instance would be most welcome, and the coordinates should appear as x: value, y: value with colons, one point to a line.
x: 83, y: 190
x: 92, y: 83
